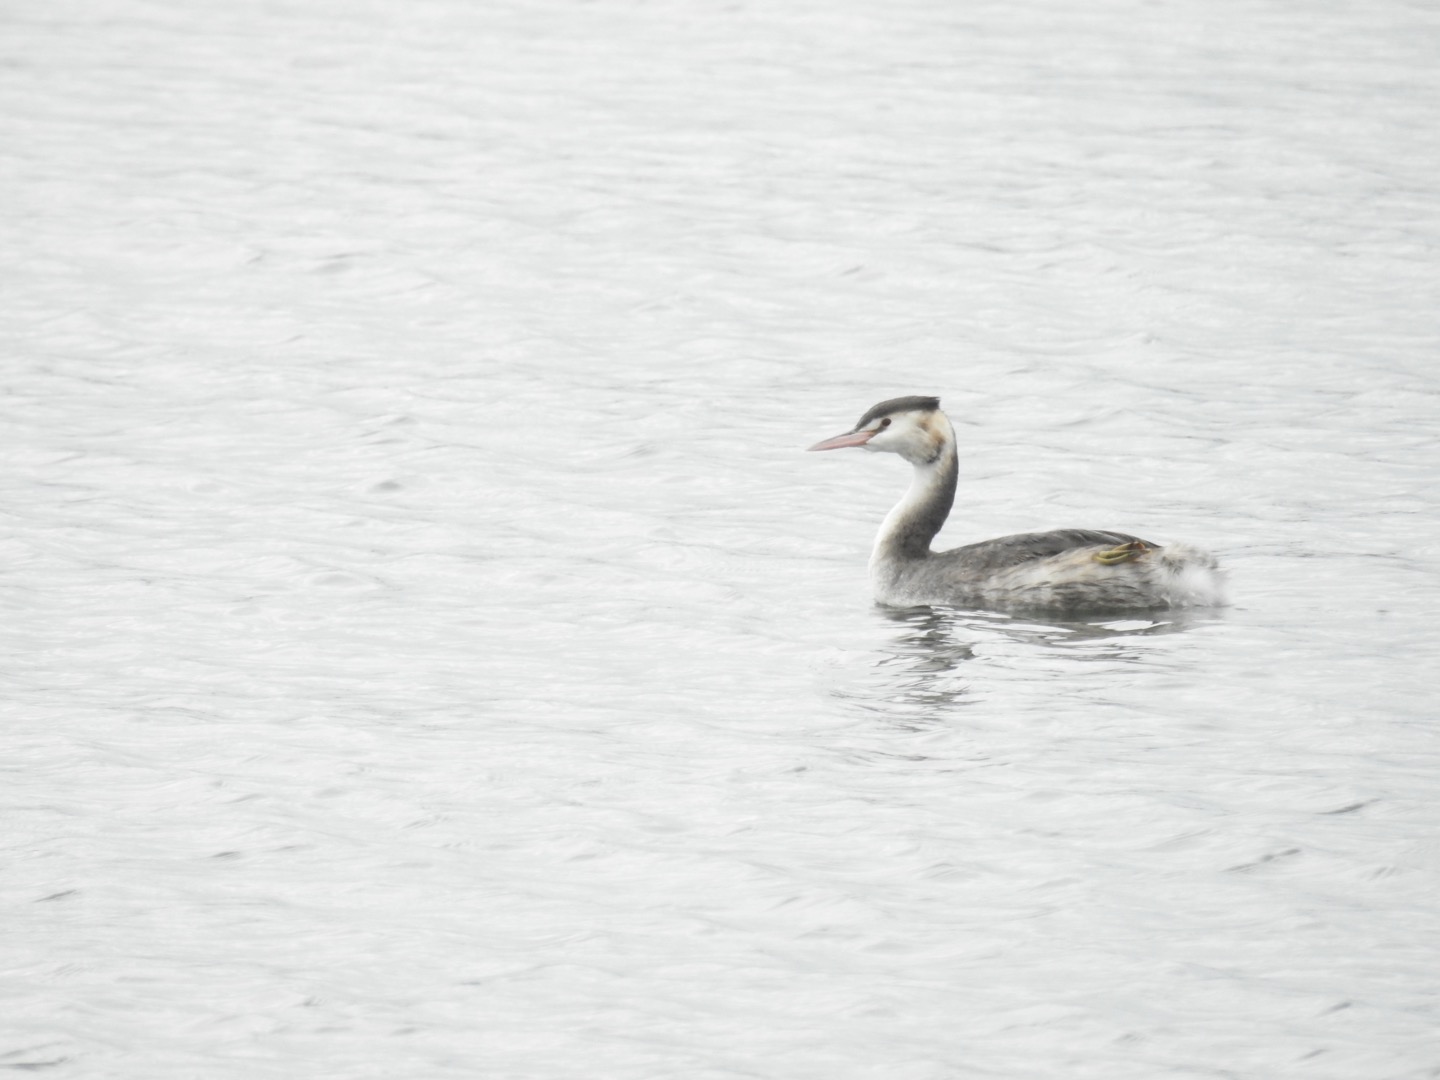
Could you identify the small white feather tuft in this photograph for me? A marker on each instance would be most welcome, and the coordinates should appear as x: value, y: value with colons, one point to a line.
x: 1192, y: 577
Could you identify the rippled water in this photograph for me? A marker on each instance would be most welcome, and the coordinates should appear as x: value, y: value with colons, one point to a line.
x: 430, y: 654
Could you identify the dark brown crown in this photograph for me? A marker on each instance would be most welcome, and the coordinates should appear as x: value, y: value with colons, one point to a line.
x: 899, y: 405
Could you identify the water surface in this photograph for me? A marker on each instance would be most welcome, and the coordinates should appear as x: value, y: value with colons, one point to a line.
x: 430, y: 654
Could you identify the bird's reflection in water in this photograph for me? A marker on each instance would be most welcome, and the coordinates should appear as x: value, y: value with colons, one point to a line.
x: 1045, y: 629
x: 921, y: 671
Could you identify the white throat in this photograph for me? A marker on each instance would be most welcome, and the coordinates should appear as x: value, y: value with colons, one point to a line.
x: 912, y: 523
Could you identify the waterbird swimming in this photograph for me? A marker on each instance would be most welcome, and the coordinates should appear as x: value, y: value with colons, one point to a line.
x: 1065, y: 569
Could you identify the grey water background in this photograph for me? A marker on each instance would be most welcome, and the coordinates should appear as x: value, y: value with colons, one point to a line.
x: 429, y: 654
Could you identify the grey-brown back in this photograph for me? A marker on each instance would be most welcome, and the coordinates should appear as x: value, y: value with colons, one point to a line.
x: 1004, y: 552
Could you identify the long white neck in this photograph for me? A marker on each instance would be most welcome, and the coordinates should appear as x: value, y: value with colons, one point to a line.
x: 908, y: 529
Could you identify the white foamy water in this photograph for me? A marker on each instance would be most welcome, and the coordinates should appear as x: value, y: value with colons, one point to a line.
x: 430, y: 654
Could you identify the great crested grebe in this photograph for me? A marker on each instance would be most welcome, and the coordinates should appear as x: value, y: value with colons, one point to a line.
x: 1067, y: 569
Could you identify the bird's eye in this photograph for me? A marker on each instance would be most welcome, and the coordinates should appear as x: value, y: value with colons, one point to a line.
x: 884, y: 423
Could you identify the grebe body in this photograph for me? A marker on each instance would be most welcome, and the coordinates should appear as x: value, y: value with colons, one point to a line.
x: 1065, y: 569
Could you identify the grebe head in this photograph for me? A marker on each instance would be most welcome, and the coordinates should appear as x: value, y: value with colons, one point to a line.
x: 913, y: 427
